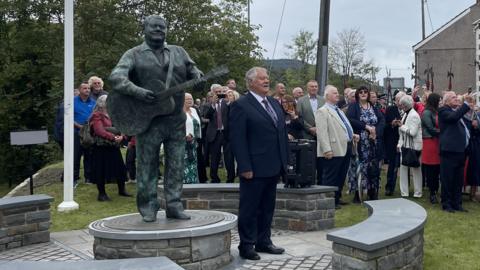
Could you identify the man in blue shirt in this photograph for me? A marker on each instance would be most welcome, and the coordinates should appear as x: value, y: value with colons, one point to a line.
x: 82, y: 109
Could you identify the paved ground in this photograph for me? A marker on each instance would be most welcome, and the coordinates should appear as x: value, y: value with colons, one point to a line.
x: 303, y: 251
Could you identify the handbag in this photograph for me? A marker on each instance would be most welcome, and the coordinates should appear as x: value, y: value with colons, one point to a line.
x: 410, y: 156
x: 99, y: 141
x: 86, y: 138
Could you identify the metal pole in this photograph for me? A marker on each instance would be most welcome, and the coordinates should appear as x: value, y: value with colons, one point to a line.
x: 68, y: 203
x: 248, y: 9
x: 321, y: 71
x: 423, y: 19
x: 30, y: 168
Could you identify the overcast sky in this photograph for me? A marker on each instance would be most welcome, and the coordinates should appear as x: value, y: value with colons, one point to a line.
x: 390, y: 27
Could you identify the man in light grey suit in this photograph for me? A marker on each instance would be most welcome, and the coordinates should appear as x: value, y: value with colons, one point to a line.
x: 306, y: 107
x: 334, y: 141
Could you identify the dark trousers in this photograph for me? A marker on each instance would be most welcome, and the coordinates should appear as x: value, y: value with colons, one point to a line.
x: 130, y: 162
x: 215, y: 148
x: 255, y: 213
x: 201, y: 168
x: 392, y: 172
x: 320, y: 171
x: 451, y: 175
x: 101, y: 187
x: 432, y: 176
x: 335, y: 171
x: 78, y: 152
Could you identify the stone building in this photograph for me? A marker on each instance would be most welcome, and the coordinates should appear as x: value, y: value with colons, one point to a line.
x: 452, y: 46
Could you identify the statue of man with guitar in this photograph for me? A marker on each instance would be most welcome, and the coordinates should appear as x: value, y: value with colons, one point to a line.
x: 146, y: 100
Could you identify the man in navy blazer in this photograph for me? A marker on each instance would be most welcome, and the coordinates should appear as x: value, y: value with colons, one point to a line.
x: 454, y: 137
x: 259, y: 142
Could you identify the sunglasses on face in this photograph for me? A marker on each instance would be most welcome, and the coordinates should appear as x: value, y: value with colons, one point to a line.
x: 363, y: 92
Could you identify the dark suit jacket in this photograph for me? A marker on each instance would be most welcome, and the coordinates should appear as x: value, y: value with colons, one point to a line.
x: 452, y: 132
x: 390, y: 133
x: 257, y: 144
x: 211, y: 115
x: 353, y: 115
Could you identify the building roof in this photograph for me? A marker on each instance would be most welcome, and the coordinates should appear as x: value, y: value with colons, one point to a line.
x: 443, y: 27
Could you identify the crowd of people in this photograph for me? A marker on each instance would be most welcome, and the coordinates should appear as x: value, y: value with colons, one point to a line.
x: 429, y: 140
x: 355, y: 134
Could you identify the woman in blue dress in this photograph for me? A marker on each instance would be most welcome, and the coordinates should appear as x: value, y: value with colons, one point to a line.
x: 368, y: 122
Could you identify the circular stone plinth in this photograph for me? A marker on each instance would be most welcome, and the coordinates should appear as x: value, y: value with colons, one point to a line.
x: 203, y: 242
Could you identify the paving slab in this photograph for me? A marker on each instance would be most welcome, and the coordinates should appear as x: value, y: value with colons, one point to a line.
x: 304, y: 250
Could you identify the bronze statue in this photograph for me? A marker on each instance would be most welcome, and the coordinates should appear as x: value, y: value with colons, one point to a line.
x: 143, y: 104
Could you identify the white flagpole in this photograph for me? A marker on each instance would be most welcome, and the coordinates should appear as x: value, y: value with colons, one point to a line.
x: 68, y: 203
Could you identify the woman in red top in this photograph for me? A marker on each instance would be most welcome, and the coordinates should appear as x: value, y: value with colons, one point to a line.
x: 431, y: 145
x: 107, y: 161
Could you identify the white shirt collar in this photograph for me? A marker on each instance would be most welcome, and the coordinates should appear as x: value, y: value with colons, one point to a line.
x: 257, y: 97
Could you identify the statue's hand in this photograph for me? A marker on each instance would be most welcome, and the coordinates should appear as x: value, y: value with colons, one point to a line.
x: 145, y: 95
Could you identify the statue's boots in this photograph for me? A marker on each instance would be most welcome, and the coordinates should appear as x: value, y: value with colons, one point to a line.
x: 176, y: 213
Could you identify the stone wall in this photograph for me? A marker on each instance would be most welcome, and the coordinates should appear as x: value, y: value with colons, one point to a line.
x: 406, y: 254
x: 209, y: 252
x: 24, y: 220
x: 303, y: 209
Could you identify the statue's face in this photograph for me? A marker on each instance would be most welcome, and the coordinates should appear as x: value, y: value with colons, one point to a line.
x: 156, y: 30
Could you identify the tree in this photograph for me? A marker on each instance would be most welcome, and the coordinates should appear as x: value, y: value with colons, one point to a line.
x: 31, y: 53
x: 346, y: 55
x: 304, y: 49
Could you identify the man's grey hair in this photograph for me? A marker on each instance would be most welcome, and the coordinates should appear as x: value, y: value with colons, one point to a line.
x: 101, y: 103
x: 151, y: 17
x: 328, y: 89
x: 399, y: 95
x: 406, y: 102
x: 252, y: 74
x: 214, y: 86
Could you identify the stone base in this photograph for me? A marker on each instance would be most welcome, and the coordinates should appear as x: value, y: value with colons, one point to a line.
x: 200, y: 243
x: 297, y: 209
x: 406, y: 254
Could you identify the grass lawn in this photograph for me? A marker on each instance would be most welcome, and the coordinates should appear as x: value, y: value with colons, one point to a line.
x: 452, y: 240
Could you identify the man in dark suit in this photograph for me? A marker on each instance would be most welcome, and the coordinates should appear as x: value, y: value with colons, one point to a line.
x: 217, y: 136
x: 259, y: 142
x: 391, y: 137
x: 454, y: 137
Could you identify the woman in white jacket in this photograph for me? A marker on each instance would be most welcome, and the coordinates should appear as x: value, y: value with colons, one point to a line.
x: 410, y: 133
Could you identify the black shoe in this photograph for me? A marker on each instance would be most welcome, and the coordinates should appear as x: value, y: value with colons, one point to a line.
x: 461, y: 209
x: 176, y: 214
x: 271, y: 249
x: 125, y: 194
x: 448, y: 209
x: 340, y: 202
x: 337, y: 206
x: 356, y: 198
x: 103, y: 198
x: 433, y: 199
x: 249, y: 254
x: 388, y: 193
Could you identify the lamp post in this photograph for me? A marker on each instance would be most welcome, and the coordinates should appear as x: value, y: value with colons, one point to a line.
x: 321, y: 71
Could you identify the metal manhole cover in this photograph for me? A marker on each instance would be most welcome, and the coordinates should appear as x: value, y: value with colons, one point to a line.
x: 134, y: 222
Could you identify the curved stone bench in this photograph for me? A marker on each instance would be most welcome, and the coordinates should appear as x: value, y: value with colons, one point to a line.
x: 156, y: 263
x: 391, y: 238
